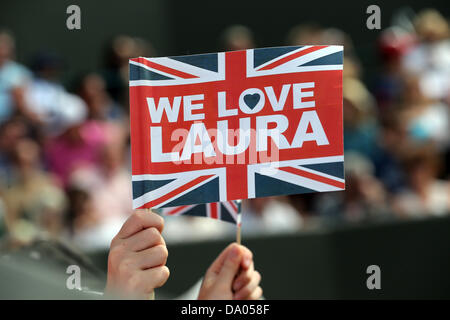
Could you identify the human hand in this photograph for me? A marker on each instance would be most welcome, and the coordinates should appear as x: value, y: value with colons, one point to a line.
x: 137, y: 257
x: 232, y: 276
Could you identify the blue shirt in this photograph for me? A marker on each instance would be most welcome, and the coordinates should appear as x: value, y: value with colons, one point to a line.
x: 12, y: 75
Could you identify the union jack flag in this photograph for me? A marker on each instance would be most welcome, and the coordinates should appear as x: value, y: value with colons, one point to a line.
x: 311, y: 168
x: 229, y: 211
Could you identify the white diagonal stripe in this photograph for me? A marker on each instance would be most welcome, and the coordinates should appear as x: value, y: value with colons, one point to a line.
x: 281, y: 57
x: 185, y: 67
x: 152, y: 195
x: 292, y: 64
x: 303, y: 182
x: 153, y: 70
x: 320, y: 174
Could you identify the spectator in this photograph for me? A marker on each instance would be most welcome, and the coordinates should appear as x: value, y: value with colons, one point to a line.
x: 430, y: 58
x: 92, y: 90
x: 392, y: 141
x: 237, y: 37
x: 428, y: 120
x: 270, y: 215
x: 45, y: 96
x: 305, y: 34
x: 118, y: 52
x: 11, y: 132
x: 424, y: 195
x: 78, y: 145
x: 13, y: 79
x: 393, y: 44
x: 364, y: 198
x: 108, y: 201
x: 360, y: 126
x: 33, y: 196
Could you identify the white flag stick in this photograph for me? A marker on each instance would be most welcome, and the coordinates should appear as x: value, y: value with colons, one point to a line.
x: 238, y: 228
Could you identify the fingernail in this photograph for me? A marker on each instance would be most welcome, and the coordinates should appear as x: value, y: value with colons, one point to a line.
x: 247, y: 262
x: 234, y: 253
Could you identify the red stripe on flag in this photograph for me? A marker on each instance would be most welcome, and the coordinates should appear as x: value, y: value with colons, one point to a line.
x: 313, y: 176
x: 233, y: 205
x: 213, y: 210
x: 173, y: 193
x: 165, y: 69
x: 291, y: 57
x: 176, y: 210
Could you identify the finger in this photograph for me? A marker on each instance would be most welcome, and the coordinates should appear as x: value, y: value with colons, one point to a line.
x: 152, y: 257
x: 139, y: 220
x: 144, y: 282
x: 247, y: 257
x: 256, y: 294
x: 144, y: 239
x: 216, y: 266
x: 247, y: 290
x: 231, y: 265
x: 243, y: 278
x: 158, y: 276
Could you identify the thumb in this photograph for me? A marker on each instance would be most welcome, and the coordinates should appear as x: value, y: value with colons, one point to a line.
x: 231, y: 265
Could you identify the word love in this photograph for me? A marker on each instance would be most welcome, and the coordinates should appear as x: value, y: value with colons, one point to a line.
x: 250, y: 102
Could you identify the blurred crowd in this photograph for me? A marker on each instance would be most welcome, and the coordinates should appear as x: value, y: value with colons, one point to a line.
x: 64, y: 149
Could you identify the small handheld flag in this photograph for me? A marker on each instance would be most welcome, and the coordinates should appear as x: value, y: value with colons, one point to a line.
x: 228, y: 211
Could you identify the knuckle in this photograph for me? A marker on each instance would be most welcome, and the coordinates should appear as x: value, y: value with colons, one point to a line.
x: 249, y: 253
x: 152, y: 234
x: 245, y: 277
x: 162, y: 252
x: 260, y: 293
x: 162, y: 276
x: 115, y: 254
x: 136, y: 216
x: 258, y: 276
x: 248, y: 275
x: 166, y: 272
x: 245, y: 292
x: 139, y: 217
x: 159, y: 221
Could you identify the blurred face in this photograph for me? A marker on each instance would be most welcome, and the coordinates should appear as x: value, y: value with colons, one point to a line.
x: 239, y: 42
x: 124, y: 48
x: 74, y: 134
x: 12, y: 132
x: 6, y: 48
x: 394, y: 138
x: 258, y: 204
x: 413, y: 93
x: 351, y: 114
x: 310, y: 37
x: 112, y: 156
x: 352, y: 186
x: 27, y: 153
x: 92, y: 85
x: 420, y: 175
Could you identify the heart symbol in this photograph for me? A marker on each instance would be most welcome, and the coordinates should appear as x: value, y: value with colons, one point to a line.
x: 251, y: 100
